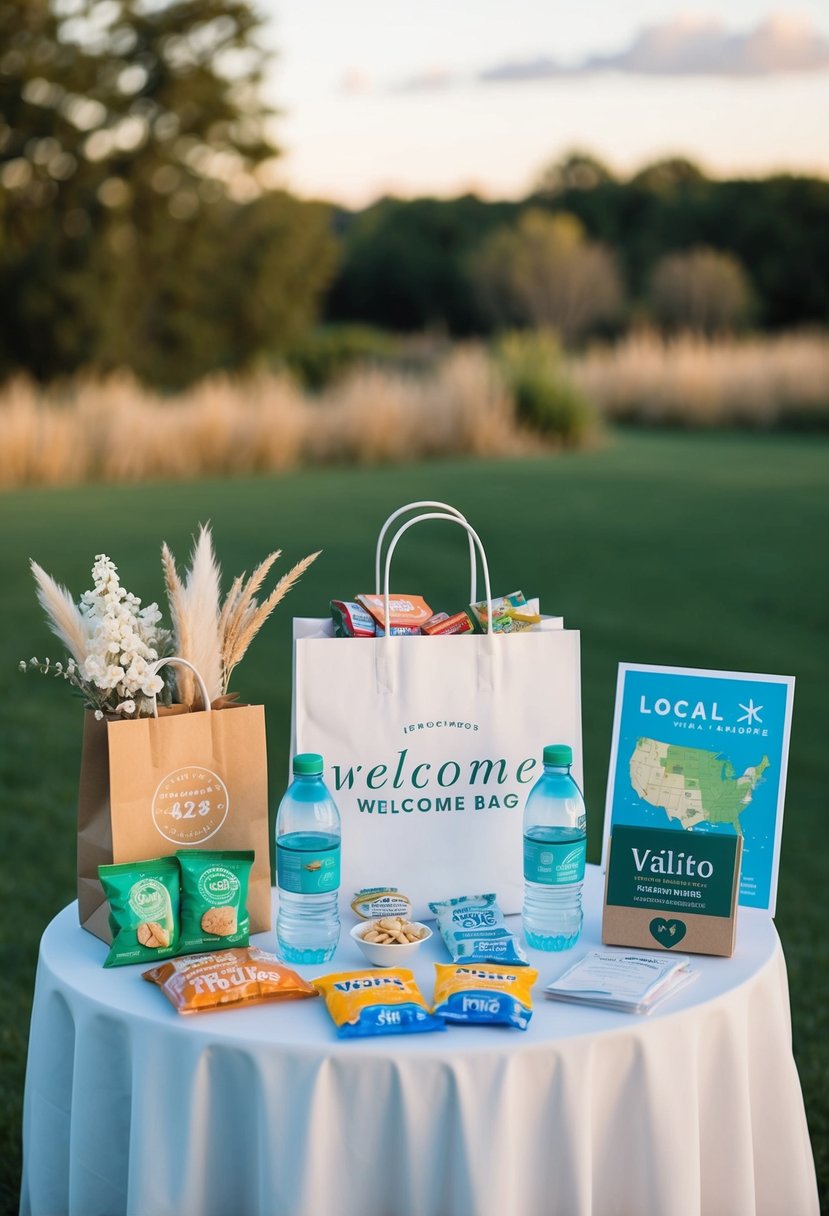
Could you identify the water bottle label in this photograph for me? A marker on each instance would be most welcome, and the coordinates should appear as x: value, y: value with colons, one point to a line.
x: 554, y: 863
x: 307, y: 873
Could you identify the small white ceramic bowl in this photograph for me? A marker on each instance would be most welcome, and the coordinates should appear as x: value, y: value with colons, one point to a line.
x: 383, y: 954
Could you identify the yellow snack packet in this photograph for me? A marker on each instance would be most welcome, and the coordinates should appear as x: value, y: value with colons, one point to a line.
x: 478, y: 993
x: 363, y: 1003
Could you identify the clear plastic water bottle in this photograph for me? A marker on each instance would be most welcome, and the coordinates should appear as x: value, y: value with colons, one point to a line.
x: 308, y: 866
x: 555, y: 844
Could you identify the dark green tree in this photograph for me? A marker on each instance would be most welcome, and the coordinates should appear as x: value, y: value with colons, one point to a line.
x: 404, y: 264
x: 134, y: 153
x: 668, y: 174
x: 577, y: 170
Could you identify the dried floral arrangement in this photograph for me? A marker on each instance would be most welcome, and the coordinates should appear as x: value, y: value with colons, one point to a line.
x: 113, y: 643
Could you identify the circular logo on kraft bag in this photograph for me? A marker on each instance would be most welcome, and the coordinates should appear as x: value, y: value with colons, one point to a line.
x: 190, y: 805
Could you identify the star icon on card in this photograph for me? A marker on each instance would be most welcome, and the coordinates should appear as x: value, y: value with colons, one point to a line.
x: 752, y: 713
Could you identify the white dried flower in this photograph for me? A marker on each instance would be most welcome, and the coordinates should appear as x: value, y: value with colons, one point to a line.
x: 121, y: 642
x: 114, y: 676
x: 123, y: 637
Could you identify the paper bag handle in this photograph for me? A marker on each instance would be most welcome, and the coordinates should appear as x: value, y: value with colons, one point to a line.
x: 474, y: 541
x: 156, y: 667
x: 417, y: 506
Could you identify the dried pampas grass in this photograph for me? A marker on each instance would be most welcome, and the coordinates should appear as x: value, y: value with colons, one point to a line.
x: 240, y: 605
x: 62, y: 613
x: 185, y: 683
x: 212, y: 634
x: 194, y: 609
x: 201, y: 596
x: 245, y: 616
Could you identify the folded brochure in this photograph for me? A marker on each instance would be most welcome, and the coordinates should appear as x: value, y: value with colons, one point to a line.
x: 615, y: 979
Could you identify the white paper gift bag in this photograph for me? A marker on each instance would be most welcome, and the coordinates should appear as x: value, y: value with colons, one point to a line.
x: 431, y: 744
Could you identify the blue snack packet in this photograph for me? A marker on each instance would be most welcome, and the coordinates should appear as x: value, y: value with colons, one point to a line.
x: 473, y: 931
x: 484, y: 995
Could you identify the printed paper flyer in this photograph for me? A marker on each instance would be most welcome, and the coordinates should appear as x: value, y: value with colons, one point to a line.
x: 705, y: 751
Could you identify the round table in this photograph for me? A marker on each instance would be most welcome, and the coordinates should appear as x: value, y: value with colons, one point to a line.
x: 133, y: 1108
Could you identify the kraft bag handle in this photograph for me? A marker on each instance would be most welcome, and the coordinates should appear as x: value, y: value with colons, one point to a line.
x: 416, y: 506
x: 156, y: 668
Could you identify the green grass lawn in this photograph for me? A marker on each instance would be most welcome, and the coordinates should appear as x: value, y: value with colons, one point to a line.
x: 684, y: 549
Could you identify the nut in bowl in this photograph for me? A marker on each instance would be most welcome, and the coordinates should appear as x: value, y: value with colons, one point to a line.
x: 388, y: 941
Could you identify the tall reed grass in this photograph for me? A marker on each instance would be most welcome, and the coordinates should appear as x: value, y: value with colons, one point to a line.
x: 114, y: 430
x: 692, y: 381
x: 467, y: 405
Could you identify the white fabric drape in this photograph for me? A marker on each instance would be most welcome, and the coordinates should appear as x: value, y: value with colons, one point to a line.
x: 693, y: 1111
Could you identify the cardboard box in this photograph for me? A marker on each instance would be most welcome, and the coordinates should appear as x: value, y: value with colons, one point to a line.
x: 669, y: 888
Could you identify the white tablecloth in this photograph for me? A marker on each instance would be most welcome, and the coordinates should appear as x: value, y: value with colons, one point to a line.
x: 132, y: 1108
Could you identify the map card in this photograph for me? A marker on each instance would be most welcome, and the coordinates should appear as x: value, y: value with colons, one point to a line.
x: 704, y: 751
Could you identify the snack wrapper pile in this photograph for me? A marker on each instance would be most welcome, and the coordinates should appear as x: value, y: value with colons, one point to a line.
x: 193, y: 901
x: 410, y: 615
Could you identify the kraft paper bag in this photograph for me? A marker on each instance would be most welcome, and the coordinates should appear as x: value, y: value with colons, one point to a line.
x: 149, y: 786
x: 431, y: 744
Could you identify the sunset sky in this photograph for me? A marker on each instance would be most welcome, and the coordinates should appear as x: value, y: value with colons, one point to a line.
x: 434, y: 98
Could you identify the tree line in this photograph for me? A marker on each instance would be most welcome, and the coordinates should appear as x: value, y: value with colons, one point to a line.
x: 140, y: 226
x: 669, y: 244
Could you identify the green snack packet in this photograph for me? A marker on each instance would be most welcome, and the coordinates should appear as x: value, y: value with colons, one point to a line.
x: 143, y: 910
x: 214, y: 894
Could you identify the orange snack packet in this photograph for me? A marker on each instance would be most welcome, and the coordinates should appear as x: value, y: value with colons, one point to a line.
x: 404, y: 610
x: 227, y: 979
x: 441, y: 624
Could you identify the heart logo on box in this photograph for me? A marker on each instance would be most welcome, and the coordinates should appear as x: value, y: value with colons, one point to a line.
x: 667, y: 932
